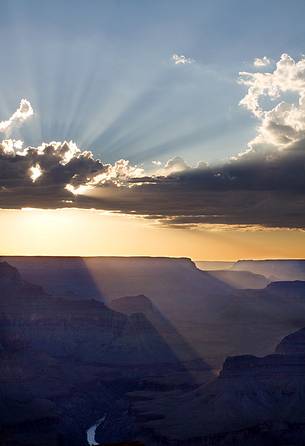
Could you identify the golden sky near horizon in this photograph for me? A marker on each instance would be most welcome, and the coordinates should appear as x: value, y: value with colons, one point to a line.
x: 94, y: 233
x: 190, y: 115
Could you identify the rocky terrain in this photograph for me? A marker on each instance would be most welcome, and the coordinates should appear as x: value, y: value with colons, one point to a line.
x: 80, y: 330
x: 211, y: 327
x: 202, y: 315
x: 65, y: 362
x: 178, y: 290
x: 107, y: 278
x: 148, y: 358
x: 256, y: 401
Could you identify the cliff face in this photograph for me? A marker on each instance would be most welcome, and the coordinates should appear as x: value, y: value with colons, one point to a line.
x: 12, y: 283
x: 207, y: 314
x: 293, y: 289
x: 132, y: 304
x: 183, y: 295
x: 257, y: 400
x: 160, y: 279
x: 62, y: 362
x: 293, y: 344
x: 62, y: 277
x: 83, y: 330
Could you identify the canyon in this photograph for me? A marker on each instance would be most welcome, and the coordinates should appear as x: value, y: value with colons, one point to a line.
x: 161, y: 347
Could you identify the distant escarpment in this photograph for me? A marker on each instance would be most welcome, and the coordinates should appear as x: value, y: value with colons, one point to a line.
x: 107, y: 278
x: 241, y: 279
x: 198, y: 313
x: 291, y: 269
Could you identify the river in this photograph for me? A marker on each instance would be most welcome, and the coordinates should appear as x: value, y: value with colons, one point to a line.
x: 91, y: 431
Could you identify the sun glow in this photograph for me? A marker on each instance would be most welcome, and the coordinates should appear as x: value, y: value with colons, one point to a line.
x: 94, y: 233
x: 35, y: 172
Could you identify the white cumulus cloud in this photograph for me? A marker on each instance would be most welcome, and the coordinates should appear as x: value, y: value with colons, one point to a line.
x: 277, y: 99
x: 23, y: 112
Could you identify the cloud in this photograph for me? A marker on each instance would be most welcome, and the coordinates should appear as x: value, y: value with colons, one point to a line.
x: 39, y: 175
x: 180, y: 59
x: 264, y: 185
x: 258, y: 188
x: 120, y: 174
x: 282, y: 124
x: 261, y: 62
x: 174, y: 165
x: 23, y: 112
x: 52, y: 174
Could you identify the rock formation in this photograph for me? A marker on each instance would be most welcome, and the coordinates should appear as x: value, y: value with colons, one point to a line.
x: 62, y: 362
x: 259, y: 401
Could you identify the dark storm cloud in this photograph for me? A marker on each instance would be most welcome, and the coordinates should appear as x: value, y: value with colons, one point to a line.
x: 257, y: 188
x: 264, y: 190
x: 59, y: 164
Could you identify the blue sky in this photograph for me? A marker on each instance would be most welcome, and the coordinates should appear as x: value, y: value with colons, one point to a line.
x: 100, y: 72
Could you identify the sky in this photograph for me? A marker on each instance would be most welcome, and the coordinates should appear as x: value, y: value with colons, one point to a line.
x: 152, y: 128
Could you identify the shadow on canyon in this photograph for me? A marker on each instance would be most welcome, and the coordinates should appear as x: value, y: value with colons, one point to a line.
x: 144, y: 346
